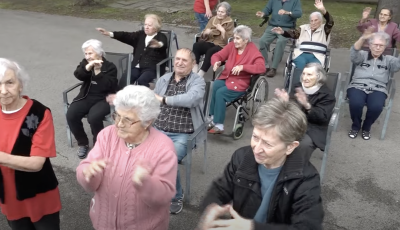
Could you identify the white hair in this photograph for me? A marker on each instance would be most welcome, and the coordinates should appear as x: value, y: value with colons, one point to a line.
x: 381, y: 36
x: 227, y: 7
x: 96, y: 45
x: 244, y: 32
x: 141, y: 99
x: 318, y: 14
x: 22, y: 76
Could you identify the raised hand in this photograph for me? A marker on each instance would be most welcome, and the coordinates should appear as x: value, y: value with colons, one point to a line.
x: 301, y: 97
x: 103, y: 31
x: 216, y: 65
x: 277, y: 30
x: 320, y: 6
x: 96, y: 167
x: 281, y: 93
x: 368, y: 32
x: 141, y: 174
x: 260, y: 14
x: 366, y: 12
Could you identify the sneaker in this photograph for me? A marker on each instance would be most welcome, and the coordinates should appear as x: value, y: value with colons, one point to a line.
x: 353, y: 134
x: 271, y: 72
x: 83, y: 151
x: 176, y: 205
x: 366, y: 135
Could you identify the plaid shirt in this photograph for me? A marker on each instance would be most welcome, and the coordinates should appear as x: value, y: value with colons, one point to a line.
x: 175, y: 119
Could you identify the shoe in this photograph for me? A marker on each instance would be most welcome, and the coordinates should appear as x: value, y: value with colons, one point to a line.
x: 176, y: 205
x: 353, y: 134
x: 366, y: 135
x: 215, y: 130
x: 83, y: 151
x: 271, y: 72
x: 210, y: 126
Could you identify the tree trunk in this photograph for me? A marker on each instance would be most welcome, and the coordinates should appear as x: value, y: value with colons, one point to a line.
x: 390, y: 4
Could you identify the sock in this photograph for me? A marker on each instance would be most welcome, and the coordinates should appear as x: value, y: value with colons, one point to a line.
x: 220, y: 126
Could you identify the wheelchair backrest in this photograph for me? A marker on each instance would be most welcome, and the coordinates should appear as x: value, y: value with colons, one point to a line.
x: 333, y: 83
x: 123, y: 63
x: 207, y: 98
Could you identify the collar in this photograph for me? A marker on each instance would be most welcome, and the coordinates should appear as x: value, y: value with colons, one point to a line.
x: 185, y: 78
x: 372, y: 57
x: 216, y: 21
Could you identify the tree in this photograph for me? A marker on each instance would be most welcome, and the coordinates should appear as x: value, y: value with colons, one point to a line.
x: 390, y: 4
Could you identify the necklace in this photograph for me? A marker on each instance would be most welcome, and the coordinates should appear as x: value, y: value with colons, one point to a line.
x: 131, y: 146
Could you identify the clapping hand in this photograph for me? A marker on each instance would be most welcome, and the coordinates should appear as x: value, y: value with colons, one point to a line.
x: 211, y: 214
x: 282, y: 12
x: 142, y: 172
x: 366, y: 12
x: 103, y: 31
x: 236, y: 70
x: 154, y: 43
x: 281, y: 93
x: 216, y: 65
x: 260, y: 14
x: 301, y: 97
x: 277, y: 30
x: 320, y: 6
x: 236, y: 223
x: 96, y: 167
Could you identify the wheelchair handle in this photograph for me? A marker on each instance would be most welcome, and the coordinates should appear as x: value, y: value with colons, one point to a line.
x: 266, y: 18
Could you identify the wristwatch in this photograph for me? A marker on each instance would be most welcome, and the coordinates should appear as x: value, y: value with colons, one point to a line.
x: 290, y: 13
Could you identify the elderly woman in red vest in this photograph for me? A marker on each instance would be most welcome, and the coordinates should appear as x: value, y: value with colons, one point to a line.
x: 29, y: 193
x: 242, y: 60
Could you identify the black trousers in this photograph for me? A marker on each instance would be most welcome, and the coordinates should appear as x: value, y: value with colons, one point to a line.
x: 48, y: 222
x: 143, y: 76
x: 306, y: 147
x: 95, y: 110
x: 207, y: 48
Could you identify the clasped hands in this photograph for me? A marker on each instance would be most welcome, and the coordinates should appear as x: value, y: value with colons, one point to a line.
x: 300, y: 95
x: 235, y: 70
x: 94, y: 63
x: 211, y: 219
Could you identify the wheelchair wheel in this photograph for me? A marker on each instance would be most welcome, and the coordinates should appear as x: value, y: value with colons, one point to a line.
x: 259, y: 94
x: 238, y: 131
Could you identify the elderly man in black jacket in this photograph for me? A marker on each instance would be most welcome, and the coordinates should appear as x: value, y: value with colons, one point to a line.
x: 266, y: 185
x: 99, y: 78
x: 149, y: 48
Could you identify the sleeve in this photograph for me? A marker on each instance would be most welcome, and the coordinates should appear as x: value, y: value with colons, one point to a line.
x: 159, y: 187
x: 321, y: 112
x: 193, y: 97
x: 81, y: 73
x: 292, y: 33
x: 97, y: 153
x: 256, y: 66
x: 43, y: 142
x: 363, y: 25
x: 297, y: 11
x: 129, y: 38
x: 209, y: 24
x: 163, y: 49
x: 328, y: 23
x: 108, y: 79
x: 396, y: 34
x: 221, y: 189
x: 229, y: 31
x: 394, y: 63
x: 268, y: 8
x: 221, y: 55
x: 307, y: 211
x: 356, y: 56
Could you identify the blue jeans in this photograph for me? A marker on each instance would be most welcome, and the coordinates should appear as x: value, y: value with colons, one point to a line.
x: 180, y: 143
x: 374, y: 101
x: 202, y: 20
x: 303, y: 59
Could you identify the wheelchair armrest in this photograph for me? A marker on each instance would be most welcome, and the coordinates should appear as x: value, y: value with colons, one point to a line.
x: 196, y: 37
x: 65, y: 93
x: 392, y: 90
x: 158, y: 65
x: 333, y: 117
x: 194, y: 135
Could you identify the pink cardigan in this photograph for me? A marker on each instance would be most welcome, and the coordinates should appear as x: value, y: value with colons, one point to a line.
x: 390, y: 29
x: 118, y: 204
x: 251, y: 59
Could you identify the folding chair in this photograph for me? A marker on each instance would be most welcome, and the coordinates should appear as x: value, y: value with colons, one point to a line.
x: 123, y: 63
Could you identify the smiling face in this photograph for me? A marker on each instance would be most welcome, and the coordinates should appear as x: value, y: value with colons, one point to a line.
x: 183, y: 63
x: 221, y: 13
x: 384, y: 16
x: 91, y: 55
x: 315, y: 22
x: 239, y: 42
x: 128, y: 125
x: 309, y: 77
x: 10, y: 89
x: 149, y: 26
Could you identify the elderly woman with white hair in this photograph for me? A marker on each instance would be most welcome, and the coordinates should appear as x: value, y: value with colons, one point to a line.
x: 317, y: 102
x: 370, y: 80
x: 214, y: 37
x: 132, y: 168
x: 29, y: 194
x: 242, y: 60
x: 149, y: 48
x: 99, y: 79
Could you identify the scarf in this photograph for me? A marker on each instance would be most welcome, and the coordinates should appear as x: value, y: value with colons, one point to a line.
x: 311, y: 90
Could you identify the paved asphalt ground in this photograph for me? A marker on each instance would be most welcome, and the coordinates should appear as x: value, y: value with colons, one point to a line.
x: 362, y: 186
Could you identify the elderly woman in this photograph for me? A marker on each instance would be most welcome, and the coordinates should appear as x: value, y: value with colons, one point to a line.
x: 317, y: 102
x: 265, y: 186
x: 369, y: 81
x: 382, y: 24
x: 132, y: 168
x: 242, y: 60
x: 99, y: 78
x: 149, y: 48
x: 214, y: 37
x: 29, y: 193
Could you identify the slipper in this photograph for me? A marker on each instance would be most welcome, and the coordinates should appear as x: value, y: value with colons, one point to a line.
x: 215, y: 130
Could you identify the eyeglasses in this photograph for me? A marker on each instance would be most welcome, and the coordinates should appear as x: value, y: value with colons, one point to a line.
x: 125, y: 121
x: 386, y: 15
x: 378, y: 45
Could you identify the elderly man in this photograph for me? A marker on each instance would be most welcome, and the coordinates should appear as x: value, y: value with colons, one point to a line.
x: 264, y: 186
x: 181, y: 94
x: 369, y: 82
x: 312, y: 39
x: 284, y: 14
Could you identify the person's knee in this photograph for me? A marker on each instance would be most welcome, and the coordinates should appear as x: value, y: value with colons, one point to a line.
x: 72, y: 115
x: 300, y: 62
x: 146, y: 78
x: 181, y: 149
x: 375, y: 107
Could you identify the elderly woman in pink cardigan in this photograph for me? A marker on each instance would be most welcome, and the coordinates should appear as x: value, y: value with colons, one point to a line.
x: 132, y: 168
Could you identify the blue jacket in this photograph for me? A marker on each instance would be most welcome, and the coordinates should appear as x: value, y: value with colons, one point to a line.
x: 284, y: 21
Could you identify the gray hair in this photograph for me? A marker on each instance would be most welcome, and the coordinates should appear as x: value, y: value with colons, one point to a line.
x: 320, y: 71
x: 21, y: 75
x: 227, y: 7
x: 192, y: 56
x: 381, y: 36
x: 289, y: 122
x: 156, y: 20
x: 244, y: 32
x: 141, y: 99
x: 96, y: 45
x: 318, y: 14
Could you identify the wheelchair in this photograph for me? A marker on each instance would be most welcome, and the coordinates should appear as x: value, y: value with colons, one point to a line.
x: 247, y: 104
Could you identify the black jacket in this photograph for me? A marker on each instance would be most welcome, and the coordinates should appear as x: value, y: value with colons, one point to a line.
x: 97, y: 86
x: 322, y: 104
x: 146, y: 57
x: 295, y: 201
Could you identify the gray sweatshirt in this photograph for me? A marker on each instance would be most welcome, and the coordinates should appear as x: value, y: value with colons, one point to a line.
x: 372, y: 74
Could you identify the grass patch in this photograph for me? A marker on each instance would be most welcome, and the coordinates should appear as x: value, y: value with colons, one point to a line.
x: 346, y: 15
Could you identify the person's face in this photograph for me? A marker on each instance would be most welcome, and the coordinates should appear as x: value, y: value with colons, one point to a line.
x: 128, y: 124
x: 309, y: 77
x: 377, y: 47
x: 91, y: 55
x: 149, y: 26
x: 239, y: 42
x: 315, y: 22
x: 183, y: 63
x: 221, y: 13
x: 10, y: 88
x: 268, y: 149
x: 384, y: 15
